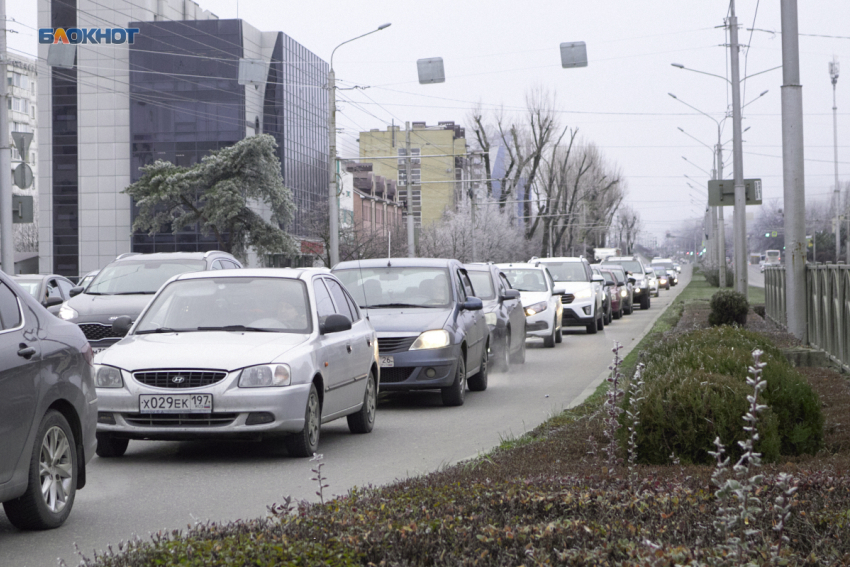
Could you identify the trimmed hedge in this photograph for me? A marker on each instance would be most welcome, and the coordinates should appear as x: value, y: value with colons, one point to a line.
x: 695, y: 390
x: 728, y: 308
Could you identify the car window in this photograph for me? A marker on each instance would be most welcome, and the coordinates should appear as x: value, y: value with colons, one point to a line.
x: 217, y: 265
x: 482, y: 283
x: 231, y: 265
x: 10, y: 313
x: 31, y: 287
x: 324, y: 305
x: 65, y: 286
x: 339, y: 298
x: 549, y: 278
x: 53, y: 289
x: 352, y: 306
x: 567, y: 271
x: 505, y: 281
x: 139, y: 276
x: 608, y: 277
x: 461, y: 293
x: 397, y: 286
x: 526, y: 279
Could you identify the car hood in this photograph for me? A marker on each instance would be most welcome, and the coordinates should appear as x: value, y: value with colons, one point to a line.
x: 532, y: 297
x: 203, y: 349
x: 573, y: 287
x: 106, y: 308
x: 407, y: 320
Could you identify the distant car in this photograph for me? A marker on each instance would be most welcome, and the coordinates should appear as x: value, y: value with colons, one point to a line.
x: 636, y: 270
x: 663, y: 278
x: 625, y: 287
x: 48, y: 411
x: 583, y: 296
x: 672, y: 276
x: 87, y: 279
x: 125, y: 286
x: 503, y: 312
x: 544, y: 310
x: 652, y: 278
x: 50, y: 290
x: 270, y: 353
x: 432, y: 333
x: 615, y: 304
x: 677, y: 267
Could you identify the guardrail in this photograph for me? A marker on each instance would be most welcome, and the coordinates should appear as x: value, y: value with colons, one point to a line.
x: 827, y: 306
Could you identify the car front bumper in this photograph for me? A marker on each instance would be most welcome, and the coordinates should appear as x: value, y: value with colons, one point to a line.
x: 540, y: 324
x: 410, y: 369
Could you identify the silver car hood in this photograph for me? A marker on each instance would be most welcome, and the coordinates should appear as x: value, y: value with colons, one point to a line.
x: 222, y: 350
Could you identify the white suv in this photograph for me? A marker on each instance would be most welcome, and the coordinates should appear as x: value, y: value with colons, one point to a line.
x: 584, y: 292
x: 540, y: 298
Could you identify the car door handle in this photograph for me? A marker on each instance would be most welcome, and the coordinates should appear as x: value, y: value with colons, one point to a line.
x: 26, y: 352
x: 348, y: 348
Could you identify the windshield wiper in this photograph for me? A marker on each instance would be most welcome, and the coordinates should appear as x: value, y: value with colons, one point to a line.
x: 390, y: 305
x: 236, y: 328
x: 162, y: 330
x: 133, y: 293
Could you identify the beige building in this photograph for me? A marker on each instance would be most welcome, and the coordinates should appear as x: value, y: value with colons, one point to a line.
x: 438, y: 164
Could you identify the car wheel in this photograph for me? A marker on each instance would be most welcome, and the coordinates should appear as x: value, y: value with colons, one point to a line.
x: 454, y: 394
x: 619, y: 313
x: 111, y: 446
x: 549, y: 342
x: 644, y: 302
x: 600, y: 323
x: 364, y: 420
x: 630, y: 309
x: 503, y: 355
x: 306, y: 442
x: 52, y: 479
x: 478, y: 383
x: 519, y: 356
x: 559, y: 335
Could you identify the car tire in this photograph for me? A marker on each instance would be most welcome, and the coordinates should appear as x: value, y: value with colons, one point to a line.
x: 363, y: 421
x: 645, y: 302
x: 600, y: 323
x: 455, y: 394
x: 54, y: 453
x: 631, y: 308
x: 502, y: 361
x: 478, y: 383
x: 549, y: 342
x: 559, y: 335
x: 110, y: 446
x: 619, y: 313
x: 519, y: 356
x: 306, y: 442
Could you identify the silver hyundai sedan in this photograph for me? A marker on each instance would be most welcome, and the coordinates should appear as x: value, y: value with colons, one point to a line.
x: 271, y: 353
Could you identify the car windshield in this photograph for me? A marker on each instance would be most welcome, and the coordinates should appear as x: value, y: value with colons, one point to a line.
x: 130, y: 277
x: 665, y: 265
x: 566, y: 271
x: 632, y: 266
x: 619, y: 274
x: 229, y: 304
x: 660, y: 270
x: 482, y: 283
x: 608, y: 278
x: 402, y: 286
x: 30, y: 287
x: 526, y: 280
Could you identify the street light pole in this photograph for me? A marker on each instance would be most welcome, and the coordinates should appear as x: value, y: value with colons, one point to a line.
x: 333, y: 193
x: 740, y: 225
x: 833, y: 74
x: 718, y: 174
x: 7, y: 246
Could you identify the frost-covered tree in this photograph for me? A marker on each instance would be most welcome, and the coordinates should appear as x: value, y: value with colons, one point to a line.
x: 222, y: 195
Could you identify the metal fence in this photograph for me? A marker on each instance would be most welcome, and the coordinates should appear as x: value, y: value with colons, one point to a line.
x: 827, y: 306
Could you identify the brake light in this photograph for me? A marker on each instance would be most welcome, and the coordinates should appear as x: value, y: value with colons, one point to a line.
x: 88, y: 354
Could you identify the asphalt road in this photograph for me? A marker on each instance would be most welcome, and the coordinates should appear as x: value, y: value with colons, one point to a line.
x: 167, y: 485
x: 755, y: 276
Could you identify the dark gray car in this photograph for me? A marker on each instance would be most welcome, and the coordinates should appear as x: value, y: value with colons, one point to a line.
x: 431, y: 331
x: 48, y: 411
x: 48, y: 289
x: 124, y: 288
x: 503, y: 312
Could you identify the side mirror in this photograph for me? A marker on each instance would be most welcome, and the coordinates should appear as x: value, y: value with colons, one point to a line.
x: 632, y: 280
x: 334, y: 324
x: 75, y: 291
x: 472, y: 304
x: 597, y: 278
x: 609, y: 284
x: 510, y: 294
x: 53, y: 301
x: 559, y: 291
x: 121, y: 326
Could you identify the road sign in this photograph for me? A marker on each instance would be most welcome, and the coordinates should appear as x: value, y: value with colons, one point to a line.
x: 22, y: 142
x: 21, y: 209
x: 22, y: 176
x: 721, y: 193
x: 573, y: 54
x: 431, y: 70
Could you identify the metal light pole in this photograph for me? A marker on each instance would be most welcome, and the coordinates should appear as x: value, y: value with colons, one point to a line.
x: 7, y: 246
x: 793, y: 174
x: 333, y: 205
x: 833, y: 74
x: 740, y: 226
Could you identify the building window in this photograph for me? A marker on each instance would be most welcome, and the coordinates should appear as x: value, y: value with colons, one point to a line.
x: 17, y: 80
x: 20, y: 127
x: 19, y: 104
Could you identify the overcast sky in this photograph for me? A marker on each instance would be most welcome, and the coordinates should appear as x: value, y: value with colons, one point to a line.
x: 495, y: 51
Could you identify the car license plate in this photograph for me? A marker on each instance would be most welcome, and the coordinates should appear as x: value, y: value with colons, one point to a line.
x: 175, y: 403
x: 387, y: 362
x: 98, y: 349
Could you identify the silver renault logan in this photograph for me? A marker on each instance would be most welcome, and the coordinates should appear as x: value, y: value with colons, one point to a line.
x: 271, y: 353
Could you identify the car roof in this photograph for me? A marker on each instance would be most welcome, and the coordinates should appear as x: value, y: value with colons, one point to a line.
x: 173, y: 256
x: 560, y: 259
x: 35, y: 276
x: 620, y: 258
x: 480, y: 267
x: 519, y: 265
x: 290, y: 273
x: 397, y: 263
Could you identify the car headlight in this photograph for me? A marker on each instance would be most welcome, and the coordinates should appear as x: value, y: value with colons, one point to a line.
x: 536, y: 308
x: 490, y: 318
x: 67, y: 312
x: 265, y: 375
x: 107, y: 377
x: 663, y: 281
x: 437, y: 338
x: 624, y: 293
x: 584, y: 294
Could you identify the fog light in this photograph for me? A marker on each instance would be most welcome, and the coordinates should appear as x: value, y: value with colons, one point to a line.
x: 257, y: 418
x: 586, y: 310
x: 105, y: 418
x: 430, y: 372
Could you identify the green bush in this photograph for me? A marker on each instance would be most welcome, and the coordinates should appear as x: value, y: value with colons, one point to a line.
x: 695, y: 390
x: 712, y: 276
x: 728, y: 308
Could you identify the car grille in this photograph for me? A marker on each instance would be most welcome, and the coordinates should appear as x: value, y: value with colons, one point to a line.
x: 180, y: 419
x: 179, y: 378
x: 399, y: 374
x: 390, y: 345
x: 99, y: 331
x: 567, y: 298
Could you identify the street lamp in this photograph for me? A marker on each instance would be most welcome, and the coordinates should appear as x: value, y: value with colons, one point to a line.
x: 333, y: 206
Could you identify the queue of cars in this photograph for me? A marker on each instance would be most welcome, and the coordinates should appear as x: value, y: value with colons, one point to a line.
x: 186, y: 346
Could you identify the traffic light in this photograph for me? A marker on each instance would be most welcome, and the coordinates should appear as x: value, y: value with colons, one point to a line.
x: 767, y: 235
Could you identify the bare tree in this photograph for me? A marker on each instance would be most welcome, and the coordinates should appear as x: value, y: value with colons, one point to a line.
x: 628, y: 226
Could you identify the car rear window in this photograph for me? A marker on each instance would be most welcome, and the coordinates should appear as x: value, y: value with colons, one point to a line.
x: 526, y: 280
x: 130, y: 277
x: 566, y: 271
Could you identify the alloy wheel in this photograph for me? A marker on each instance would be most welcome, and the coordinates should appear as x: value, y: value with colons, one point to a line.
x: 55, y: 467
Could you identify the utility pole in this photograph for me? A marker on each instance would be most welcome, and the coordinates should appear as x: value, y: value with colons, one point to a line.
x: 740, y: 225
x: 408, y: 180
x: 7, y: 246
x: 333, y: 204
x: 793, y: 174
x: 721, y: 236
x: 833, y: 74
